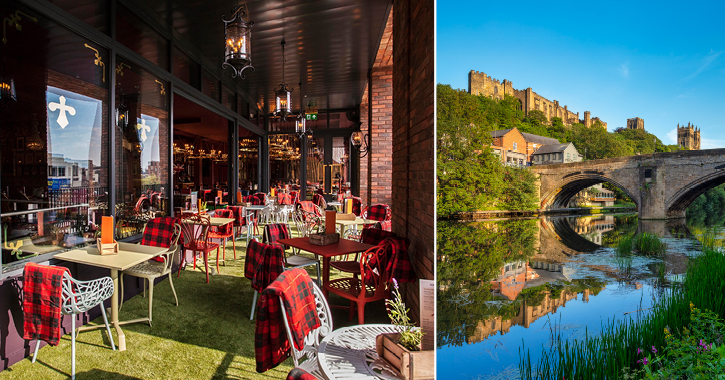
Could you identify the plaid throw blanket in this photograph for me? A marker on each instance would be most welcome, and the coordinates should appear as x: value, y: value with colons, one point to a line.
x: 262, y: 198
x: 309, y: 207
x: 238, y: 215
x: 271, y: 345
x: 356, y: 205
x: 284, y: 199
x: 380, y: 212
x: 263, y: 264
x: 375, y: 236
x: 158, y: 233
x: 300, y: 374
x: 295, y: 196
x: 319, y: 200
x: 252, y: 199
x: 276, y: 231
x: 42, y: 296
x: 399, y: 265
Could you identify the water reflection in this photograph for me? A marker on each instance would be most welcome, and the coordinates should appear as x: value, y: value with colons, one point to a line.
x: 504, y: 284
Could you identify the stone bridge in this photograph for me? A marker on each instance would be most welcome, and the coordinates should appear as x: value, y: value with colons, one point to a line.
x: 661, y: 185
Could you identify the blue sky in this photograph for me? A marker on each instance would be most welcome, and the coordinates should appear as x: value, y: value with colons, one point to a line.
x: 661, y: 61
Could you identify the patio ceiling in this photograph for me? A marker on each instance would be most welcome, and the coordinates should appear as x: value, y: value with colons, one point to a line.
x: 330, y: 44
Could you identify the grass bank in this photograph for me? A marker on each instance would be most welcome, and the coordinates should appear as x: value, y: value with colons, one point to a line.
x: 606, y: 356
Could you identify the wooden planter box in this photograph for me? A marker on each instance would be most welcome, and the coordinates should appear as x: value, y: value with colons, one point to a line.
x: 322, y: 239
x: 416, y: 365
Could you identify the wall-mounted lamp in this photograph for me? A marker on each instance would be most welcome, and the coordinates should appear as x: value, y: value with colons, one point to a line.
x: 360, y: 142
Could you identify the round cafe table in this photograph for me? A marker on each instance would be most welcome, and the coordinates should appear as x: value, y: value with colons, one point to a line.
x: 349, y: 353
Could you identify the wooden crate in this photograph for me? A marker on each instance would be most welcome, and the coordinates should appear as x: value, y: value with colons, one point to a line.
x: 341, y: 216
x: 412, y: 365
x: 324, y: 239
x: 107, y: 249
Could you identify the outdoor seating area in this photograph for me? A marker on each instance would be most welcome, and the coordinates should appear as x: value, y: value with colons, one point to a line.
x: 200, y: 327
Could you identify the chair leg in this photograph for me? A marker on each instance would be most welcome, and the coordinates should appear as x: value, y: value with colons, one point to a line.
x: 318, y: 274
x: 151, y: 300
x: 224, y: 252
x: 361, y: 313
x: 352, y: 310
x: 206, y: 265
x: 108, y: 327
x: 181, y: 262
x: 73, y: 346
x: 37, y: 345
x: 234, y: 245
x: 254, y: 305
x: 173, y: 290
x: 217, y: 259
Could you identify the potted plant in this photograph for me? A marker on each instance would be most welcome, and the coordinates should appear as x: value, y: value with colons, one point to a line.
x: 402, y: 350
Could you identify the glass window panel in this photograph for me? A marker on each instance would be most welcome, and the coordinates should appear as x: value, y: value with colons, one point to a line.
x: 341, y: 164
x: 248, y: 160
x: 186, y: 69
x: 141, y: 38
x: 315, y: 165
x: 243, y: 108
x: 92, y: 12
x: 142, y: 159
x: 54, y: 163
x: 284, y: 160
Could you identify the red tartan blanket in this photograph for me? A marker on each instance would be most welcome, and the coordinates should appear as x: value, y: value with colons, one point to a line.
x: 158, y: 233
x: 399, y: 265
x: 271, y: 346
x: 284, y: 199
x: 263, y: 264
x: 300, y: 374
x: 42, y: 296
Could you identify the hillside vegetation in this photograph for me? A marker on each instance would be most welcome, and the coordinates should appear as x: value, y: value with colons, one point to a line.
x: 470, y: 177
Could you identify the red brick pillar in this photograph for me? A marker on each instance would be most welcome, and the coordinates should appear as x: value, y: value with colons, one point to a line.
x: 413, y: 136
x: 376, y: 115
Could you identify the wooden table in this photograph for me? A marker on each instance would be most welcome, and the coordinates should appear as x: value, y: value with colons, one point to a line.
x: 128, y: 256
x: 343, y: 247
x: 349, y: 353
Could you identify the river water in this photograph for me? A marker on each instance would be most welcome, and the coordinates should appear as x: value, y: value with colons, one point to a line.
x: 508, y: 285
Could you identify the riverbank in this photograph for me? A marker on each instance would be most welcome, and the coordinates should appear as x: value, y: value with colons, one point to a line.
x: 474, y: 215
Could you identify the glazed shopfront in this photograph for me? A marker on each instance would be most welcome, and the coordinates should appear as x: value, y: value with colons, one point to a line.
x: 122, y: 108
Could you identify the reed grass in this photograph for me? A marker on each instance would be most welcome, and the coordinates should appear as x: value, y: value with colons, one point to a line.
x: 608, y: 354
x: 649, y: 244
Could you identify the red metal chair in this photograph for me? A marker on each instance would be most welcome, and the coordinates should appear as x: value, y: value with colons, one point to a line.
x: 224, y: 233
x: 372, y: 236
x: 371, y: 285
x: 319, y: 200
x: 194, y: 229
x: 380, y: 213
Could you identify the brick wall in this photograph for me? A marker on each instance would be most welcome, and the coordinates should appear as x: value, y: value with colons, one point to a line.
x: 413, y: 136
x: 377, y: 114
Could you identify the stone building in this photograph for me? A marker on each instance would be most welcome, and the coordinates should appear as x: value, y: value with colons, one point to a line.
x: 481, y: 84
x: 556, y: 154
x: 688, y: 136
x: 517, y: 148
x: 635, y: 123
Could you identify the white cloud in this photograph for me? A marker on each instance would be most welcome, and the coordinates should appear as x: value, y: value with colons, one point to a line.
x: 711, y: 144
x: 624, y: 70
x: 672, y: 136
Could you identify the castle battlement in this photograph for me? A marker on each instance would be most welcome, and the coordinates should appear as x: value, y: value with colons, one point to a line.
x: 688, y: 136
x: 479, y: 83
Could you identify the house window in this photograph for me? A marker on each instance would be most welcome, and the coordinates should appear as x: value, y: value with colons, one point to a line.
x: 515, y: 146
x: 647, y: 173
x: 568, y: 156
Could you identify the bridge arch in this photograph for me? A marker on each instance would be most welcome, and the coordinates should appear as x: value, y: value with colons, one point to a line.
x: 678, y: 203
x: 573, y: 183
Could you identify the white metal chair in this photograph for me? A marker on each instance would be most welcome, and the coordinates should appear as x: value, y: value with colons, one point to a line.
x: 313, y: 338
x: 79, y: 297
x: 151, y: 270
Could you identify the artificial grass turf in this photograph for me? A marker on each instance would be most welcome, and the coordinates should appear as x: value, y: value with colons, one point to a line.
x: 208, y: 336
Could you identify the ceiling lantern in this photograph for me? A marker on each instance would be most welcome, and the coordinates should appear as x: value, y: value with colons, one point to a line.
x: 283, y: 95
x: 238, y: 42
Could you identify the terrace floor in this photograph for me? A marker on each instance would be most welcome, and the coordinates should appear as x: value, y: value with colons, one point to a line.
x: 208, y: 336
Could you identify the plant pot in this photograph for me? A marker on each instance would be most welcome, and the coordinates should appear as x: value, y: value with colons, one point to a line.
x: 416, y: 365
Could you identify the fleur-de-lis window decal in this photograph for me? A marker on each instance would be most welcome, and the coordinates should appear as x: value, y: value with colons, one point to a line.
x: 163, y: 90
x: 119, y: 68
x: 63, y: 108
x: 14, y: 20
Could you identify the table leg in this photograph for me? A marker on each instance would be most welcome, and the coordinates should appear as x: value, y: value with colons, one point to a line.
x: 114, y: 312
x: 325, y: 275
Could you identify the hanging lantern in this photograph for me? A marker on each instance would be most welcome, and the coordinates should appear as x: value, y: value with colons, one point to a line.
x: 300, y: 126
x: 283, y: 95
x: 238, y: 42
x: 34, y: 142
x: 7, y: 89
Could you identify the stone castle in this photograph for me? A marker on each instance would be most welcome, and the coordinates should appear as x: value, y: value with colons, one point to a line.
x: 635, y: 123
x: 688, y: 136
x: 481, y: 84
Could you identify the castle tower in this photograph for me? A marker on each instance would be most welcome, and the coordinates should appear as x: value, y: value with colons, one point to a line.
x: 688, y: 136
x: 635, y: 123
x: 587, y: 119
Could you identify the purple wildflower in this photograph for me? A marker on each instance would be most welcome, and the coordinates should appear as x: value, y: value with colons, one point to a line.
x: 654, y: 350
x: 395, y: 283
x: 639, y: 351
x: 644, y: 361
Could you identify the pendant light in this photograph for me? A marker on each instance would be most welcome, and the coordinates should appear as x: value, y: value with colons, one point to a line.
x: 238, y: 41
x: 283, y: 95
